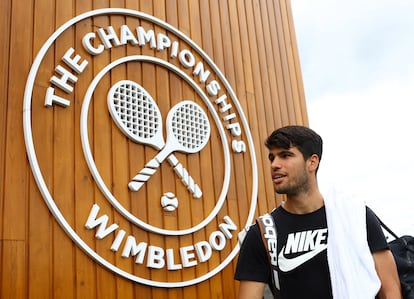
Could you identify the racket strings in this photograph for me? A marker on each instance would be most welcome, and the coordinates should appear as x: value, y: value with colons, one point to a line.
x: 136, y: 110
x: 190, y: 126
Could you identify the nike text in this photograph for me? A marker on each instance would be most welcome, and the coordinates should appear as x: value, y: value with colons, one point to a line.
x: 305, y: 241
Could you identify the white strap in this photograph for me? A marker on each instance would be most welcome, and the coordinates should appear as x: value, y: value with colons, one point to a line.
x: 270, y: 235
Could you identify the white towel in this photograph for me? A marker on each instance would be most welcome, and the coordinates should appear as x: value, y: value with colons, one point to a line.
x: 350, y: 261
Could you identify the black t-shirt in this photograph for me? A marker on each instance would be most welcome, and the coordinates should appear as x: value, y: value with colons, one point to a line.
x: 302, y: 255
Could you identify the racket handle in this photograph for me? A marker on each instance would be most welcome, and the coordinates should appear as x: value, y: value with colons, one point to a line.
x: 139, y: 180
x: 185, y: 177
x: 151, y: 167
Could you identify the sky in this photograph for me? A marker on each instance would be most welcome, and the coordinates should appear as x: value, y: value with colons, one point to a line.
x: 357, y: 62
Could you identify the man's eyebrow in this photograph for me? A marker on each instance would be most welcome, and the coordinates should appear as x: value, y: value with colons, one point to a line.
x: 285, y: 152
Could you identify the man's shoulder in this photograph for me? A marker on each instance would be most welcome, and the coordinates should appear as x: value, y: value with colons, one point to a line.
x: 253, y: 230
x: 276, y: 212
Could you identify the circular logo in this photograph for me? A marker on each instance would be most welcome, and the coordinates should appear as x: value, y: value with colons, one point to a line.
x: 152, y: 169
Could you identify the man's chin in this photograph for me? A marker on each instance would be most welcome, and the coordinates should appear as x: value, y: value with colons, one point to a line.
x: 284, y: 190
x: 280, y: 191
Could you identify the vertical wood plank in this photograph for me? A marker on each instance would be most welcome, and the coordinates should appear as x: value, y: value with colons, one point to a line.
x: 19, y: 61
x: 13, y: 279
x: 86, y: 268
x: 303, y: 116
x: 14, y: 168
x: 284, y: 61
x: 258, y: 98
x: 63, y: 157
x: 253, y: 94
x: 5, y: 20
x: 41, y: 223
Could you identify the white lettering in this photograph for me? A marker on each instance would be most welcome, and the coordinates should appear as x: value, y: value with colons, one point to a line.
x: 292, y: 243
x: 174, y: 49
x: 132, y: 248
x: 217, y: 240
x: 321, y: 237
x: 87, y: 44
x: 229, y: 117
x: 270, y: 235
x: 155, y: 257
x: 73, y: 63
x: 62, y: 82
x: 301, y: 241
x: 170, y: 261
x: 234, y: 129
x: 187, y: 256
x: 102, y: 221
x: 221, y: 101
x: 202, y: 74
x: 108, y: 37
x: 238, y: 146
x: 213, y: 88
x: 305, y: 241
x: 51, y: 98
x: 127, y: 36
x: 203, y: 250
x: 163, y: 42
x: 270, y: 232
x: 144, y: 37
x: 310, y: 241
x: 117, y: 242
x: 186, y: 58
x: 227, y: 227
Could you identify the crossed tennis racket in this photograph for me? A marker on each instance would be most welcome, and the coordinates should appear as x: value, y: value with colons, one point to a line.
x: 137, y: 115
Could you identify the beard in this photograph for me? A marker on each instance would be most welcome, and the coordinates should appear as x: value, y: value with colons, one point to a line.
x: 299, y: 185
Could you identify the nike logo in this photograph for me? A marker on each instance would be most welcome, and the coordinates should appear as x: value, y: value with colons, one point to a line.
x: 288, y: 264
x: 310, y: 243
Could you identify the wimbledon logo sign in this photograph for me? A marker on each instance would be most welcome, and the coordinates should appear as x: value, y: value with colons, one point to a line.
x: 140, y: 147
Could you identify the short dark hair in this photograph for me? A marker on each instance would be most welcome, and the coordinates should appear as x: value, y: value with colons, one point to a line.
x: 306, y: 140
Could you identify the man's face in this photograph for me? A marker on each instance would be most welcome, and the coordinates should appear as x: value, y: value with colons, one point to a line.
x: 288, y: 170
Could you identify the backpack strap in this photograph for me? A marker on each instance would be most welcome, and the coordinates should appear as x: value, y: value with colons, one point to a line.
x: 268, y: 233
x: 387, y: 228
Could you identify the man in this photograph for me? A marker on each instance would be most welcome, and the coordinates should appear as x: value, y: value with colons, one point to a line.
x: 318, y: 252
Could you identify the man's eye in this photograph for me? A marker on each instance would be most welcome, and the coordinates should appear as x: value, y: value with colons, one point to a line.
x: 285, y: 155
x: 271, y: 158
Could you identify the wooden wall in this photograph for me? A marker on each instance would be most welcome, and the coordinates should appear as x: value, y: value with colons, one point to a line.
x: 251, y: 41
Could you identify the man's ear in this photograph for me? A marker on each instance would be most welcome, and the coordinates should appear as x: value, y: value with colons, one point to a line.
x: 313, y: 162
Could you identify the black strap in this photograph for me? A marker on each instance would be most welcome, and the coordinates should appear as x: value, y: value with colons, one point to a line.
x: 387, y: 228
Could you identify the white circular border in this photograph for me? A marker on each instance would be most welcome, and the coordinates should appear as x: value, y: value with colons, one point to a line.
x: 40, y: 180
x: 94, y: 170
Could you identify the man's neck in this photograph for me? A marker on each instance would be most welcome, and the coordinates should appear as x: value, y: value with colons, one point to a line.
x: 304, y: 203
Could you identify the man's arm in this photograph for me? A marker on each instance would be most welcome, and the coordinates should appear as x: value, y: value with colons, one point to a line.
x: 251, y: 289
x: 387, y: 272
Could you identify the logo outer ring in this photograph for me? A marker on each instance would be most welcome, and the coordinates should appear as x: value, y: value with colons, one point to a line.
x: 40, y: 180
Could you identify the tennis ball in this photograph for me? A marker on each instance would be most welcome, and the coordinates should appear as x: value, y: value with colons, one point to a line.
x: 169, y: 201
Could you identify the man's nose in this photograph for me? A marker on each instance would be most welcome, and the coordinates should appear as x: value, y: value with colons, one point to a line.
x: 275, y: 163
